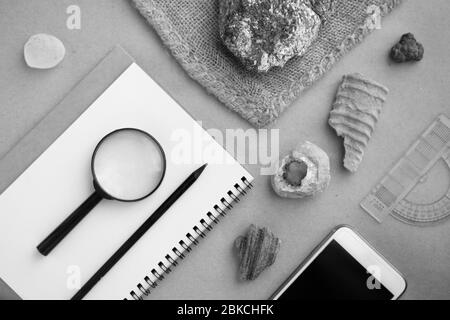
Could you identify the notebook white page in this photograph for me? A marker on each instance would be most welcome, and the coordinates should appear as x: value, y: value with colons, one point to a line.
x: 60, y: 180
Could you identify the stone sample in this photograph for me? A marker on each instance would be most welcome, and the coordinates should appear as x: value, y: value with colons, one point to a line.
x: 258, y: 250
x: 356, y: 110
x: 324, y: 8
x: 44, y: 51
x: 303, y: 173
x: 408, y: 49
x: 264, y: 34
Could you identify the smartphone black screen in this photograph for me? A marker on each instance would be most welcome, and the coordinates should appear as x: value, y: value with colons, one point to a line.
x: 335, y: 275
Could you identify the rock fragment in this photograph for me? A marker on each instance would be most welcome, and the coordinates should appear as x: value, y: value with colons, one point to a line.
x: 324, y: 8
x: 44, y: 51
x: 264, y: 34
x: 258, y: 250
x: 356, y: 110
x: 408, y: 49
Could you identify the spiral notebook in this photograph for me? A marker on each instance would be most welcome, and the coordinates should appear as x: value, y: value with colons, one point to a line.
x: 60, y: 179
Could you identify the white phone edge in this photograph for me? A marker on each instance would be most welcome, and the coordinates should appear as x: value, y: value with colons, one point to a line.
x: 363, y: 252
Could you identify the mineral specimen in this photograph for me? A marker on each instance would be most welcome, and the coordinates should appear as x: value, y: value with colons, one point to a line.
x: 258, y: 250
x: 356, y: 110
x: 303, y: 173
x: 324, y: 8
x: 267, y: 33
x: 408, y: 49
x: 43, y: 51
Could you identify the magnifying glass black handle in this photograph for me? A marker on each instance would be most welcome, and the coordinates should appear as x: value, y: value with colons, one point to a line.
x: 52, y: 240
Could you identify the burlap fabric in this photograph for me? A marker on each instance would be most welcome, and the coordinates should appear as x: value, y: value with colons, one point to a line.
x: 189, y: 28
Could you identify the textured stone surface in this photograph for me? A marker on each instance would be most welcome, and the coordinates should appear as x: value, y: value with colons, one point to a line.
x: 324, y: 8
x: 258, y: 250
x: 44, y: 51
x: 267, y: 33
x: 356, y: 110
x: 408, y: 49
x: 303, y: 173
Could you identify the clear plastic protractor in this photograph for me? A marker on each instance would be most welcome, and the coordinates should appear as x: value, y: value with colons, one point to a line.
x: 424, y: 168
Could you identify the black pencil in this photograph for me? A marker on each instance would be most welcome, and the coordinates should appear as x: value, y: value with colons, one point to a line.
x: 138, y: 234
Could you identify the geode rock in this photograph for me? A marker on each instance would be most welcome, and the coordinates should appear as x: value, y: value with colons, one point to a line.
x: 267, y: 33
x: 43, y: 51
x: 258, y: 250
x: 303, y: 173
x: 408, y: 49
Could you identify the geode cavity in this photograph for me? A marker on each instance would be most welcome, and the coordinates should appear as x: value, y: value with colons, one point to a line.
x: 267, y: 33
x: 303, y: 173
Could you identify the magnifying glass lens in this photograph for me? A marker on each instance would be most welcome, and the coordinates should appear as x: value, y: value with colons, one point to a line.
x: 128, y: 165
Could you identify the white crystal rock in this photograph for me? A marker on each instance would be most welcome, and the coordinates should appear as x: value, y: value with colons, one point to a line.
x: 44, y: 51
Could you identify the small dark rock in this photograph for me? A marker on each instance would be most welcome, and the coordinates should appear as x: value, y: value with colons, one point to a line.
x: 408, y: 49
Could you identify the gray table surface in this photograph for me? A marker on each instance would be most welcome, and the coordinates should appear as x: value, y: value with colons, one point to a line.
x: 419, y: 92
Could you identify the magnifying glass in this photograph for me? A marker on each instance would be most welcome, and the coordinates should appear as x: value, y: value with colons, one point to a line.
x: 128, y: 165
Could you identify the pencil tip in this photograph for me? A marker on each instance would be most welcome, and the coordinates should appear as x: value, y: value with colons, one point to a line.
x: 199, y: 171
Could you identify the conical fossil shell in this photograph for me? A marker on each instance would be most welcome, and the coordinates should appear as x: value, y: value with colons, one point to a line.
x: 258, y: 250
x: 356, y: 110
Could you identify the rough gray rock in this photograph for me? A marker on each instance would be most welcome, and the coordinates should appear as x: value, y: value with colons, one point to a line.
x: 267, y: 33
x: 258, y: 250
x: 408, y: 49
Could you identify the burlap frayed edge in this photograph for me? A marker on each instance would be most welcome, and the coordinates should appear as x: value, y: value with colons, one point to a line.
x: 267, y: 108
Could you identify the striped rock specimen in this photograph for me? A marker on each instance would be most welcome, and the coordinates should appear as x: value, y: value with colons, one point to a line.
x: 303, y: 173
x: 264, y: 34
x: 258, y: 250
x: 356, y: 110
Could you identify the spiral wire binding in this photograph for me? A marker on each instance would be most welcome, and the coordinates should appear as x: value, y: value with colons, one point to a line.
x: 199, y: 231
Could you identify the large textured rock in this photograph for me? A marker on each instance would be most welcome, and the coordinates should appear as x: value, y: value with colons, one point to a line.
x: 258, y: 250
x: 303, y: 173
x: 267, y: 33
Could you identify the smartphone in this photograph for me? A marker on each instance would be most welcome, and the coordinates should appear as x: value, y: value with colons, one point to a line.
x: 343, y: 267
